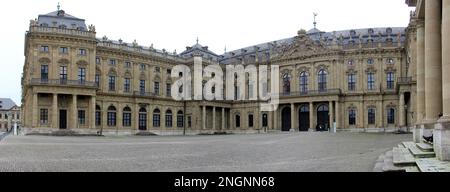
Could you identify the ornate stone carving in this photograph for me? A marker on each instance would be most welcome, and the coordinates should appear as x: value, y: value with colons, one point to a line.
x: 302, y: 46
x: 92, y: 28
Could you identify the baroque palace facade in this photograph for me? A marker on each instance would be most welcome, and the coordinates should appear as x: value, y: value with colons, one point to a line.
x: 358, y: 80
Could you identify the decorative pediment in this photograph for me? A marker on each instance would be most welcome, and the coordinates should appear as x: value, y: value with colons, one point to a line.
x: 303, y: 46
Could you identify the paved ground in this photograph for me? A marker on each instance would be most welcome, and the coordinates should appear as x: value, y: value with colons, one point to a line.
x: 311, y: 152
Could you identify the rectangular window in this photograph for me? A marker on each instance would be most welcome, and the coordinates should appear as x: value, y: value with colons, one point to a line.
x: 391, y: 116
x: 112, y: 83
x: 97, y: 80
x: 18, y: 116
x: 371, y: 81
x: 371, y: 116
x: 127, y: 119
x: 43, y: 116
x: 63, y: 74
x: 157, y: 69
x: 169, y: 71
x: 82, y: 52
x: 81, y: 75
x: 390, y: 80
x: 352, y: 117
x: 157, y: 88
x: 97, y: 61
x: 351, y: 82
x: 63, y: 50
x: 127, y: 64
x: 44, y: 49
x: 142, y: 67
x: 142, y: 86
x: 82, y: 117
x: 189, y: 121
x: 168, y: 89
x: 112, y: 62
x: 44, y: 72
x: 250, y: 121
x: 127, y: 85
x: 238, y: 121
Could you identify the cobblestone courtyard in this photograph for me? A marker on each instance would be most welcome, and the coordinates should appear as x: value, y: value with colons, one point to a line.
x: 311, y: 152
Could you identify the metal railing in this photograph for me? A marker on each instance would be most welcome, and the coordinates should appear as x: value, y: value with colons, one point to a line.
x: 63, y: 82
x: 312, y: 93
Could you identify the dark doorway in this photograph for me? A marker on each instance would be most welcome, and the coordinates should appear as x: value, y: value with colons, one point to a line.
x: 63, y: 119
x: 303, y: 117
x: 323, y: 120
x: 286, y: 119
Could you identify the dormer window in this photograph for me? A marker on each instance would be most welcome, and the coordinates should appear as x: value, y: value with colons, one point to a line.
x: 352, y: 33
x: 44, y: 25
x: 389, y: 31
x: 371, y: 31
x: 63, y: 27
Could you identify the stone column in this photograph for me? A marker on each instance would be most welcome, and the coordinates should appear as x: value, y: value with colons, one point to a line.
x: 442, y: 131
x: 293, y: 118
x: 401, y: 110
x: 92, y: 105
x: 214, y: 118
x: 420, y: 72
x: 204, y: 117
x: 35, y: 118
x: 55, y: 111
x: 446, y: 60
x: 74, y: 113
x: 331, y: 108
x: 433, y: 59
x: 223, y: 118
x: 311, y: 117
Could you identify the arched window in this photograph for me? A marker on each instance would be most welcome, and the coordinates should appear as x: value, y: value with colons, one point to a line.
x: 250, y: 120
x: 156, y: 118
x: 126, y: 117
x: 304, y: 83
x: 323, y: 108
x: 286, y: 83
x: 98, y: 115
x: 391, y: 116
x: 322, y: 75
x: 304, y: 109
x: 112, y: 114
x: 352, y: 116
x: 169, y: 118
x: 180, y: 119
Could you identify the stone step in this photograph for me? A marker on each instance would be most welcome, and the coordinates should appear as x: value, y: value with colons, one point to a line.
x: 425, y: 147
x: 417, y: 153
x: 433, y: 165
x: 388, y: 164
x: 413, y: 169
x: 403, y: 157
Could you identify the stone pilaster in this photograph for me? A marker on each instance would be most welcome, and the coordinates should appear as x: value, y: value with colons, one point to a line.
x: 331, y: 115
x: 223, y: 118
x: 401, y: 110
x: 293, y: 118
x: 204, y: 117
x: 433, y: 59
x: 214, y: 118
x: 92, y: 105
x: 338, y: 115
x: 74, y: 113
x: 55, y: 111
x: 312, y: 124
x: 35, y: 118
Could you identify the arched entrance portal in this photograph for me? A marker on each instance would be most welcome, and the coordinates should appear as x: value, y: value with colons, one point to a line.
x: 286, y: 119
x: 323, y: 120
x: 303, y: 117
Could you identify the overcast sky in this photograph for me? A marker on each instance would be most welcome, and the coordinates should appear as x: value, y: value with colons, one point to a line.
x: 175, y: 24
